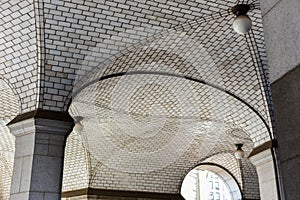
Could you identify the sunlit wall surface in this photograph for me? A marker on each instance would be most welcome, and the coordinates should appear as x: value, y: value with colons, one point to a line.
x: 204, y: 185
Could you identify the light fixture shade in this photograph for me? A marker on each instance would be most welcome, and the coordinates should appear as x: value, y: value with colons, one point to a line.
x: 78, y: 127
x: 239, y: 154
x: 242, y: 24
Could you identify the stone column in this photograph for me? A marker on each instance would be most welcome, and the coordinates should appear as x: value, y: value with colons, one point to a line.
x: 38, y: 163
x: 282, y: 37
x: 263, y: 161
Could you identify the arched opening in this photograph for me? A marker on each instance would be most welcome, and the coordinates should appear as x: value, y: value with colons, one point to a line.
x: 210, y: 182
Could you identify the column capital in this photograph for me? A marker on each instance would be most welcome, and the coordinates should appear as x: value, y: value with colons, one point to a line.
x: 263, y: 153
x: 42, y: 121
x: 262, y: 158
x: 94, y: 193
x: 44, y: 114
x: 267, y: 145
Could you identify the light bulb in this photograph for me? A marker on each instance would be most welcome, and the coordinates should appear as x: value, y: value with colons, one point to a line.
x: 242, y: 24
x: 78, y: 127
x: 239, y: 154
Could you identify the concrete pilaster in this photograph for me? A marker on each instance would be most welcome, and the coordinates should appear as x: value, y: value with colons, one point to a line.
x: 39, y: 156
x: 263, y: 162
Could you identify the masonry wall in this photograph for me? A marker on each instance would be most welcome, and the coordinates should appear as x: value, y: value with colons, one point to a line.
x: 286, y: 96
x: 282, y: 36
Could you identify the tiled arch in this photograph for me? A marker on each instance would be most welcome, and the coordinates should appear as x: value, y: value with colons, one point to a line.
x: 9, y: 108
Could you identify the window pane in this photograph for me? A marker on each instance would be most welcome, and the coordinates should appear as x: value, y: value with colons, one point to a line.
x: 211, y: 186
x: 217, y: 196
x: 217, y: 187
x: 211, y: 196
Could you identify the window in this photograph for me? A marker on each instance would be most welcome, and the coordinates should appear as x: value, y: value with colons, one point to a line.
x: 207, y: 187
x: 211, y: 196
x: 217, y: 187
x: 217, y: 196
x: 211, y: 185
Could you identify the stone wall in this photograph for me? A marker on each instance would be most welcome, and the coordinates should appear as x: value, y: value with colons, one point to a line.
x: 286, y: 95
x: 282, y: 36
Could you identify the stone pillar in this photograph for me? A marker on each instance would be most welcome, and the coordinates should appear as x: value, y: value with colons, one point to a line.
x: 286, y: 95
x: 38, y: 163
x: 263, y: 161
x: 282, y: 37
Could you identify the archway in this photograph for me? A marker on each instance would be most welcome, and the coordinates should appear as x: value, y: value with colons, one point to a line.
x: 210, y: 181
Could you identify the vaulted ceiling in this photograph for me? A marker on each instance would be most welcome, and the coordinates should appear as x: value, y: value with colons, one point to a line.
x: 159, y: 86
